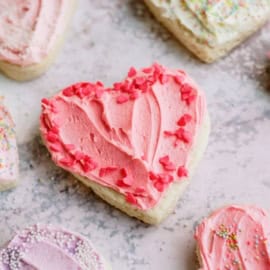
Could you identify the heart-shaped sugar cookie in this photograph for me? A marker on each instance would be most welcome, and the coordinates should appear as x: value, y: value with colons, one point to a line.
x: 8, y: 150
x: 31, y: 34
x: 235, y: 237
x: 134, y: 144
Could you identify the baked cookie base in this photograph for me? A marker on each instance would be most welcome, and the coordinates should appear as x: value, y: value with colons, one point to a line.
x: 203, y: 51
x: 5, y: 185
x: 25, y: 73
x: 168, y: 202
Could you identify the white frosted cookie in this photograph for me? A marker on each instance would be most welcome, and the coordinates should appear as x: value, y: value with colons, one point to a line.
x: 8, y: 150
x: 31, y: 34
x: 135, y: 144
x: 234, y: 237
x: 210, y: 29
x: 47, y: 247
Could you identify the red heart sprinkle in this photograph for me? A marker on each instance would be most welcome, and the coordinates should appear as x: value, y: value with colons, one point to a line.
x: 182, y: 172
x: 186, y: 118
x: 131, y: 198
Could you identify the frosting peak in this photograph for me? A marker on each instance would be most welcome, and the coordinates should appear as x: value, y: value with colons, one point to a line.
x: 235, y: 237
x: 132, y: 137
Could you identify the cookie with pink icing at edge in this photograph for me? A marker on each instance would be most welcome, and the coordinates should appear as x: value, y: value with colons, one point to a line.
x: 235, y: 237
x: 46, y: 247
x: 8, y: 150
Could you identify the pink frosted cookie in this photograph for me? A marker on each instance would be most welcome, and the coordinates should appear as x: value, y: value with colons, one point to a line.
x: 31, y: 34
x: 135, y: 144
x: 235, y: 237
x: 46, y: 247
x: 8, y: 150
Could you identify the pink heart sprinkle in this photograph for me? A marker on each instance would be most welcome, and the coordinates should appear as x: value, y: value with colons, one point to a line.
x: 182, y: 172
x: 186, y: 118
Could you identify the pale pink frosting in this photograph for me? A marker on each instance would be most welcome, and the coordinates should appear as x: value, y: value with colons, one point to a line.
x: 46, y: 247
x: 235, y: 237
x: 125, y: 137
x: 8, y: 148
x: 29, y: 29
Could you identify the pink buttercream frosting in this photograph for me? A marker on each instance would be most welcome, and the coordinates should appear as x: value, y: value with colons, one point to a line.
x: 8, y: 148
x: 46, y: 247
x: 29, y: 29
x: 235, y: 237
x: 135, y: 137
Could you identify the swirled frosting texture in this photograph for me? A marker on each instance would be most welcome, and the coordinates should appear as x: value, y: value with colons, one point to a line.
x: 215, y: 22
x: 43, y: 247
x: 8, y: 149
x: 29, y: 29
x: 235, y: 237
x: 135, y: 137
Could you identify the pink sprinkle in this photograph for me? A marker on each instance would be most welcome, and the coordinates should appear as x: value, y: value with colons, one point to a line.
x: 147, y: 70
x: 182, y: 172
x: 140, y: 80
x: 159, y: 186
x: 130, y: 198
x: 67, y: 161
x: 132, y: 72
x: 186, y: 88
x: 99, y: 83
x: 169, y: 167
x: 124, y: 172
x: 79, y: 156
x: 190, y: 99
x: 122, y: 99
x: 52, y: 137
x: 168, y: 133
x: 55, y: 147
x: 140, y: 190
x: 158, y: 68
x: 88, y: 165
x: 107, y: 170
x: 165, y: 178
x: 178, y: 79
x: 54, y: 130
x: 164, y: 78
x: 152, y: 176
x: 134, y: 95
x: 117, y: 86
x: 45, y: 101
x: 164, y: 160
x: 68, y: 92
x: 183, y: 135
x: 144, y: 87
x: 186, y: 118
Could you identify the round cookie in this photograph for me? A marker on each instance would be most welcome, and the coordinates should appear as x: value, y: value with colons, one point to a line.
x: 234, y: 237
x: 46, y: 247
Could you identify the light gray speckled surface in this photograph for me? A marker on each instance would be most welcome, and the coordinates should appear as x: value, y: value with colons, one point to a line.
x: 106, y: 38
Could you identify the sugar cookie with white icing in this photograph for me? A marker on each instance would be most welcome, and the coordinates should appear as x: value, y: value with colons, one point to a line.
x: 135, y: 144
x: 47, y: 247
x: 31, y: 34
x: 8, y: 150
x: 235, y: 237
x: 210, y: 29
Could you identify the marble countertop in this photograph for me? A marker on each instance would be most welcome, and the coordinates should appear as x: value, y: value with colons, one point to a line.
x: 106, y: 38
